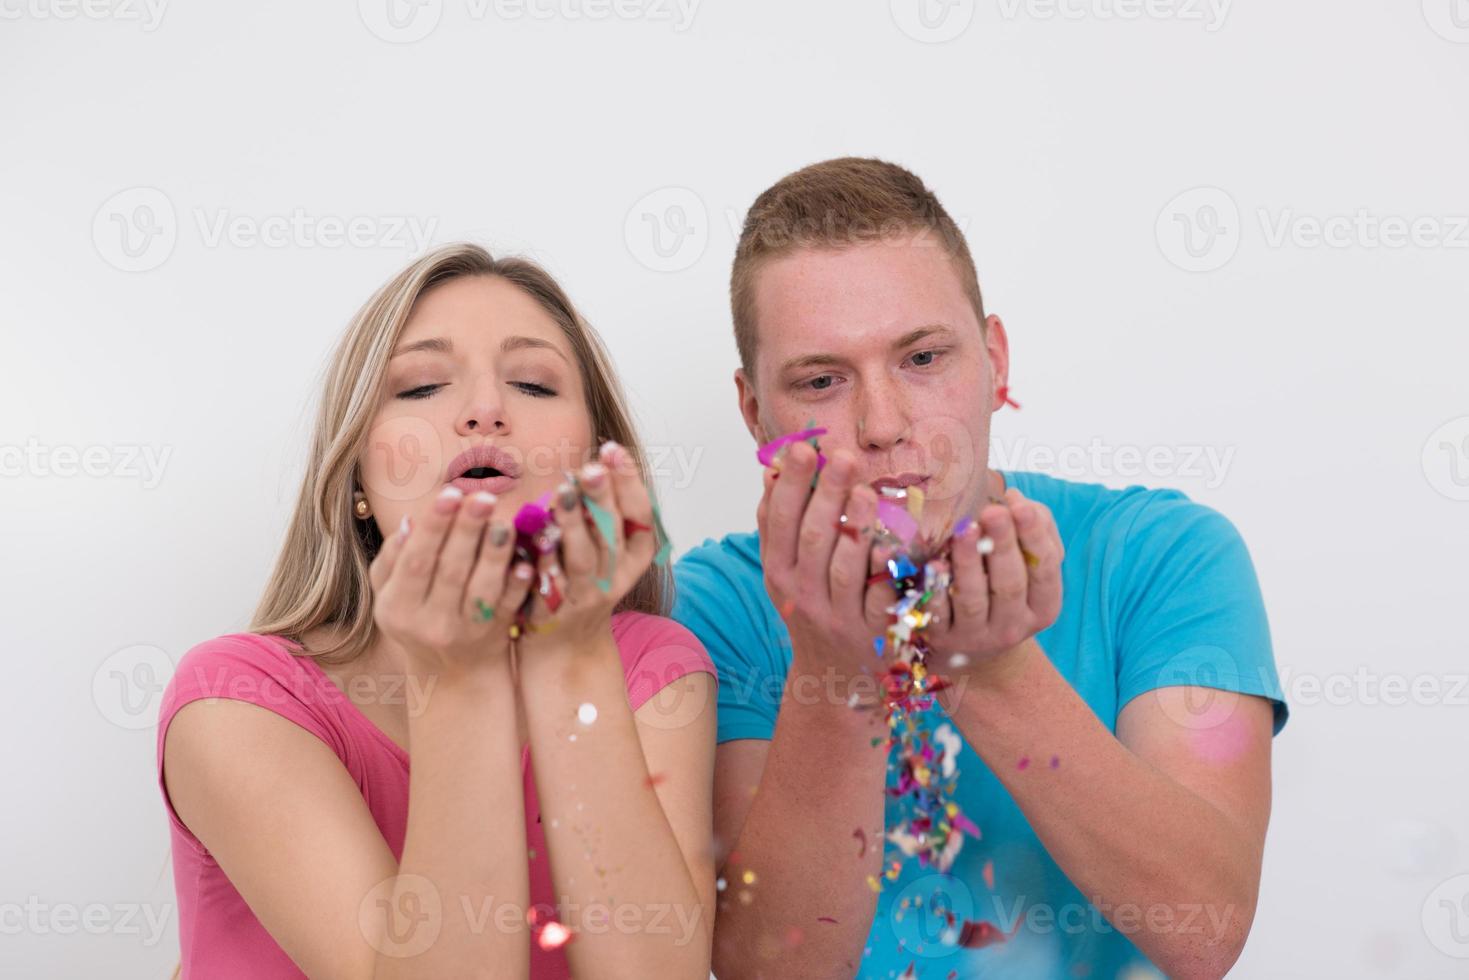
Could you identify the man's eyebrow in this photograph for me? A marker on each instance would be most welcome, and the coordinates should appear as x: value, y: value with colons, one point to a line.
x: 443, y: 345
x: 830, y: 360
x: 914, y: 336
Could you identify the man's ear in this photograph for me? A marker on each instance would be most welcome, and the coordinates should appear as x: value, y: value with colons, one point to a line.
x: 749, y: 405
x: 997, y: 345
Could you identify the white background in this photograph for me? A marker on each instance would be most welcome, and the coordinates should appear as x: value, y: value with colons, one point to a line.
x: 1060, y: 142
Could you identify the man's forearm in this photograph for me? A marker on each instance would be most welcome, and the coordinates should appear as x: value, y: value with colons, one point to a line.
x: 823, y: 781
x: 1127, y: 835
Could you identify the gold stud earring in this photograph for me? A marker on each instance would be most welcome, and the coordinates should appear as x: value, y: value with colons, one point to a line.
x: 361, y: 508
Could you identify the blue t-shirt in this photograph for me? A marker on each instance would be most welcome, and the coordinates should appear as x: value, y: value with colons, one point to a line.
x: 1158, y: 591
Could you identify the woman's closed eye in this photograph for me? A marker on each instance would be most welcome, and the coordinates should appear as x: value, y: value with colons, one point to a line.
x: 528, y: 387
x: 422, y: 391
x: 533, y: 389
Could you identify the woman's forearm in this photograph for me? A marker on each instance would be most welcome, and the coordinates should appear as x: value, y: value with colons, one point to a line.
x: 464, y: 857
x: 620, y: 877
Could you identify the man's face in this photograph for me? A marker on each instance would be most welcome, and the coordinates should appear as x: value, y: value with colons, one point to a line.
x: 879, y: 344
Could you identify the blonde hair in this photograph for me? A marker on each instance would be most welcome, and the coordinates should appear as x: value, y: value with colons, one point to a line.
x: 321, y: 575
x: 836, y: 204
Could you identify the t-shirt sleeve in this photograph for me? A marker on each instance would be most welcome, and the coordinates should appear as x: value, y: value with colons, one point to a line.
x: 722, y: 613
x: 241, y: 668
x: 1190, y: 612
x: 656, y: 652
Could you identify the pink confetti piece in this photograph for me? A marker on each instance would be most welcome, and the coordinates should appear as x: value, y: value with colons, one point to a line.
x: 895, y: 517
x: 766, y: 454
x: 826, y: 918
x: 989, y: 875
x: 1024, y: 763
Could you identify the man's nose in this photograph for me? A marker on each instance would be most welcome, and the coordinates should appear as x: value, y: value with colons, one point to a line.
x: 882, y: 419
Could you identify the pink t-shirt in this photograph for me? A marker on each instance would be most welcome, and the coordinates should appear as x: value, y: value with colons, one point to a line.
x: 219, y: 936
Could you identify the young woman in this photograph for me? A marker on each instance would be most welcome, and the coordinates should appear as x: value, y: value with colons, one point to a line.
x: 560, y: 729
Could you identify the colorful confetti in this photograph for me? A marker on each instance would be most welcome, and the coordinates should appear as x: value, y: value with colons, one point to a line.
x: 932, y: 829
x: 537, y: 534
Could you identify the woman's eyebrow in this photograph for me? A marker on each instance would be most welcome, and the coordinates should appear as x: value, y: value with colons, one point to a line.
x: 519, y: 342
x: 443, y: 345
x: 435, y: 345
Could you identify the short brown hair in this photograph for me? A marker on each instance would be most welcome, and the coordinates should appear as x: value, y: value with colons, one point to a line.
x: 837, y: 204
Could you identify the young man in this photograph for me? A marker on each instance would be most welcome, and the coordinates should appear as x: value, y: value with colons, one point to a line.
x: 1113, y: 681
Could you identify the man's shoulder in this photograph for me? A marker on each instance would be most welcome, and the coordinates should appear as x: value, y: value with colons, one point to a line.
x: 734, y: 555
x: 1093, y: 510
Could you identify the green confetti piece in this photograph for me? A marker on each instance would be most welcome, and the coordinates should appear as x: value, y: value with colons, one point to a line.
x: 608, y: 529
x: 666, y: 547
x: 486, y: 613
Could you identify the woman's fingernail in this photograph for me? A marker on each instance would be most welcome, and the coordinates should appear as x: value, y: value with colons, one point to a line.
x: 566, y: 497
x: 481, y: 503
x: 523, y: 572
x: 404, y: 526
x: 449, y: 498
x: 499, y: 534
x: 593, y: 473
x: 609, y: 452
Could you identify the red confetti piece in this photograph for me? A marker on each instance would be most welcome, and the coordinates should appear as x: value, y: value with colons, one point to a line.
x: 631, y: 527
x: 655, y: 778
x: 826, y: 918
x: 1004, y: 392
x: 861, y: 836
x: 978, y: 935
x: 1024, y: 762
x: 989, y: 875
x: 550, y: 592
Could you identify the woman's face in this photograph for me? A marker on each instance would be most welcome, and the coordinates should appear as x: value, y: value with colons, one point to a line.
x: 483, y: 391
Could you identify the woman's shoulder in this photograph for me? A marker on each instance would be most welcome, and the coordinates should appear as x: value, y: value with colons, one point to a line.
x: 220, y: 663
x: 260, y: 669
x: 656, y: 651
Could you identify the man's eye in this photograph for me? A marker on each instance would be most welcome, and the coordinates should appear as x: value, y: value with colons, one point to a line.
x: 422, y: 391
x: 925, y: 357
x: 533, y: 389
x: 820, y: 382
